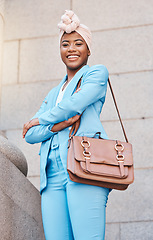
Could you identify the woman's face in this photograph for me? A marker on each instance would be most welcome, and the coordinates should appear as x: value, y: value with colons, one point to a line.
x: 74, y: 51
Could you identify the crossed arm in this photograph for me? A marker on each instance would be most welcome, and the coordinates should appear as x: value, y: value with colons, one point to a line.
x: 46, y: 123
x: 56, y: 127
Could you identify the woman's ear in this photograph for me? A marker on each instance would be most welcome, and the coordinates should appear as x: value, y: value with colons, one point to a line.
x: 89, y: 52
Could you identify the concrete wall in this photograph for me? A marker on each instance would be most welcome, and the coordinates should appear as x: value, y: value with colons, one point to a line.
x: 123, y: 41
x: 1, y: 38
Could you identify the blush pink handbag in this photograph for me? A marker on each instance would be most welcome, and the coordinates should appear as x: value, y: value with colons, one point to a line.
x: 100, y: 162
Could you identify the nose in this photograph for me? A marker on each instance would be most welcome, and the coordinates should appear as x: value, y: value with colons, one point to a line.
x: 71, y: 47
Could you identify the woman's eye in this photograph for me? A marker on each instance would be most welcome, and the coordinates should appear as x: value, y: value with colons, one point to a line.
x: 78, y: 44
x: 65, y: 45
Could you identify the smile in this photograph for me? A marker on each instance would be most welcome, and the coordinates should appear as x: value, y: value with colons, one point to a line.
x: 72, y: 56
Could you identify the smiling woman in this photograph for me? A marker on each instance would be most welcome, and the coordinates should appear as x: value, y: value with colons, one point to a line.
x: 74, y: 52
x: 77, y: 209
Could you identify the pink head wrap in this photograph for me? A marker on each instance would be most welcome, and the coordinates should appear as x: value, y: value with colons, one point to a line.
x: 70, y: 23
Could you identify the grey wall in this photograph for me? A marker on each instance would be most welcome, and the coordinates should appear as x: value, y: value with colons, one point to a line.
x: 1, y: 38
x: 123, y: 41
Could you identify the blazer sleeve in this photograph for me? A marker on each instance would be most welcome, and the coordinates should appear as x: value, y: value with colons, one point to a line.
x: 40, y: 132
x: 93, y: 88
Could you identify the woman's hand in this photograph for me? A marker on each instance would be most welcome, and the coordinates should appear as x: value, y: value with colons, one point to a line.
x: 60, y: 126
x: 57, y: 127
x: 28, y: 125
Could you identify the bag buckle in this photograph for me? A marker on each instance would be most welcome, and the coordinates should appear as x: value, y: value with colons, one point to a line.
x: 86, y: 154
x: 120, y: 145
x: 120, y: 158
x: 119, y: 148
x: 85, y: 141
x: 86, y: 144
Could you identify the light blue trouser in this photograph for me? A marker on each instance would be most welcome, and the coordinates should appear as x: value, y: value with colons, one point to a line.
x: 71, y: 210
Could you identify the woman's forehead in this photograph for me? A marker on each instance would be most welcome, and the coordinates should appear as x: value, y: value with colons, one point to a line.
x: 72, y: 36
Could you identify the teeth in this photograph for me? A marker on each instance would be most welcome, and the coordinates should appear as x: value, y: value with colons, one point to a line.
x: 73, y: 56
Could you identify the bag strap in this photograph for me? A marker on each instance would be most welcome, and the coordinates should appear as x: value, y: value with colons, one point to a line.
x: 118, y: 113
x: 76, y: 125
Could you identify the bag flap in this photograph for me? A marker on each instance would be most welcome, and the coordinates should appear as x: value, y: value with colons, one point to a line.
x: 102, y: 151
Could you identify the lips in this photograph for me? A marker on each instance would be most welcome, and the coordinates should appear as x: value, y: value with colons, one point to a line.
x: 72, y: 56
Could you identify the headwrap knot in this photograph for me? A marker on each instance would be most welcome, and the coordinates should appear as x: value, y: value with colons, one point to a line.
x: 70, y: 23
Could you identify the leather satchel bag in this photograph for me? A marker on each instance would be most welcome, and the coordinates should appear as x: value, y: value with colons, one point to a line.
x: 100, y: 162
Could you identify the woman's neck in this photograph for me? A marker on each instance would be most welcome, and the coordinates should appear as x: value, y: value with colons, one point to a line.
x: 71, y: 73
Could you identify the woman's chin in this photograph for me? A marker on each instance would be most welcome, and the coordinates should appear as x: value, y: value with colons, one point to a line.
x: 75, y: 66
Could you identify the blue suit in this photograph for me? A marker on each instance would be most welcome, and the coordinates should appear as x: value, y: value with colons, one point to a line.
x: 89, y: 99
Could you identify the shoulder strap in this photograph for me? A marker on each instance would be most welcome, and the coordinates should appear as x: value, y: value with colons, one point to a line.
x: 119, y: 116
x: 75, y: 126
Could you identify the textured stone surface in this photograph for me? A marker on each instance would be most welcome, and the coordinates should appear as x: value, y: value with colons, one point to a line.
x: 137, y: 230
x: 134, y: 204
x: 112, y: 232
x: 133, y: 96
x: 15, y: 223
x: 10, y: 62
x: 21, y: 102
x: 140, y: 134
x: 19, y: 205
x: 37, y: 18
x: 113, y: 14
x: 11, y: 152
x: 20, y: 190
x: 122, y: 50
x: 40, y: 60
x: 33, y: 160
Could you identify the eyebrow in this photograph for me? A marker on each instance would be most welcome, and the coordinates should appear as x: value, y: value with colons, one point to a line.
x: 74, y: 40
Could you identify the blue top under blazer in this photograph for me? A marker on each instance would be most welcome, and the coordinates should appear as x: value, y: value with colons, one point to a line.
x: 90, y: 98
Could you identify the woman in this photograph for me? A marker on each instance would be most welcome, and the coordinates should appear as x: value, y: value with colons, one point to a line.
x: 70, y: 210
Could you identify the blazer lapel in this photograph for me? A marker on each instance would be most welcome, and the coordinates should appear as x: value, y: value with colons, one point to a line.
x: 57, y: 90
x: 73, y: 83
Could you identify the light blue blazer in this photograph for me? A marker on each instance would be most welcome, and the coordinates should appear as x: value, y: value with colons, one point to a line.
x: 90, y: 98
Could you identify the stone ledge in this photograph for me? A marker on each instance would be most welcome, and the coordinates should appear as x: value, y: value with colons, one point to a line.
x: 15, y: 223
x: 20, y: 203
x: 12, y: 153
x: 29, y: 150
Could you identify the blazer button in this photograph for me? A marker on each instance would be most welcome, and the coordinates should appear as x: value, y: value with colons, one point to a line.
x: 54, y: 146
x: 46, y: 101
